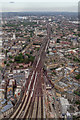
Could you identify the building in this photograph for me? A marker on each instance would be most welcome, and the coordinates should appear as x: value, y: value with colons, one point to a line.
x: 14, y: 36
x: 2, y: 93
x: 6, y: 110
x: 64, y: 105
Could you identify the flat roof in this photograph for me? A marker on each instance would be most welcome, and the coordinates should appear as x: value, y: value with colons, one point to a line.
x: 7, y: 107
x: 64, y: 101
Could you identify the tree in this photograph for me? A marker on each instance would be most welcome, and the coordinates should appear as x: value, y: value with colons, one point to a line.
x: 58, y: 40
x: 6, y: 52
x: 8, y: 65
x: 31, y: 52
x: 19, y: 58
x: 5, y: 62
x: 10, y: 56
x: 78, y: 77
x: 10, y: 61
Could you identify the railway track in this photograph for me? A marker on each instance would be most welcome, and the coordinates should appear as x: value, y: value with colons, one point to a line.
x: 31, y: 105
x: 35, y: 108
x: 27, y: 99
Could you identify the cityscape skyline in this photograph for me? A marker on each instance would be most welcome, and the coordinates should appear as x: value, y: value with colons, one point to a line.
x: 39, y: 60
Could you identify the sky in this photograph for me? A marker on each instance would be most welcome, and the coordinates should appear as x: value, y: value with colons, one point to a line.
x: 39, y: 1
x: 39, y: 5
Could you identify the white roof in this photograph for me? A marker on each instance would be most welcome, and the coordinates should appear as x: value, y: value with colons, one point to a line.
x: 2, y: 90
x: 69, y: 68
x: 68, y: 114
x: 59, y: 68
x: 64, y: 101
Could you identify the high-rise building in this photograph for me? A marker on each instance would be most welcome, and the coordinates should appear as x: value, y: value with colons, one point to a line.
x: 14, y: 36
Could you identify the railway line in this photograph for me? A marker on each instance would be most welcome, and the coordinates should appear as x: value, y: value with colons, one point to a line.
x: 31, y: 105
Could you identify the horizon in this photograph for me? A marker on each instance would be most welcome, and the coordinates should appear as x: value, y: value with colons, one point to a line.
x: 40, y: 12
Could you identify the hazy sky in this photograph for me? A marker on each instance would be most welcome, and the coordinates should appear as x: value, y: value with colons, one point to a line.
x: 39, y: 0
x: 39, y: 5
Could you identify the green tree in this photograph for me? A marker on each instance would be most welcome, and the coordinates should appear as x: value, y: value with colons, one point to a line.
x: 5, y: 62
